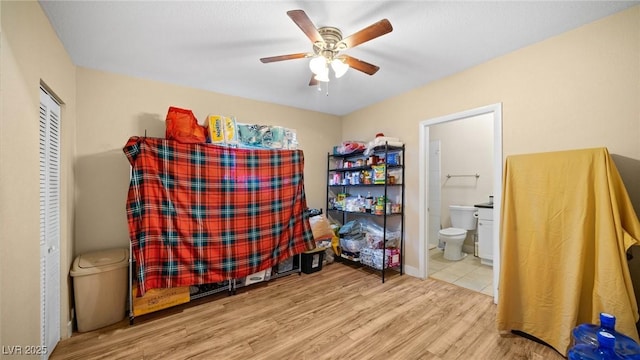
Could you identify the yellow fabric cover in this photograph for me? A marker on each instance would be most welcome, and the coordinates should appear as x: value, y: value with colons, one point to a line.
x: 566, y: 224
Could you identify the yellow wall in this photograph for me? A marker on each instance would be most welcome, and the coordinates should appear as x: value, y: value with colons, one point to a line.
x: 580, y: 89
x: 30, y: 53
x: 113, y: 108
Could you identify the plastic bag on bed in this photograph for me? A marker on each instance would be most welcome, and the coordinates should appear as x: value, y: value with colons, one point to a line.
x: 182, y: 125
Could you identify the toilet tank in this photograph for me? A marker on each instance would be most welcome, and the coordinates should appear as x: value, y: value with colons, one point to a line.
x: 462, y: 217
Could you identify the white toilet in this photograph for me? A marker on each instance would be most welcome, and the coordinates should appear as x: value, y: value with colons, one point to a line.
x: 462, y: 219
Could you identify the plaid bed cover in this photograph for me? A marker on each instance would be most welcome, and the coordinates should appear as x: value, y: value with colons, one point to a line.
x: 201, y: 213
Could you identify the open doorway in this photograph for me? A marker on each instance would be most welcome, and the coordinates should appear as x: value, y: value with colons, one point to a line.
x: 426, y: 231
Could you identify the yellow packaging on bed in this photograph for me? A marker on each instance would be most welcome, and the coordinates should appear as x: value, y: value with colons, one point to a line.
x: 221, y: 129
x: 230, y: 130
x: 158, y: 299
x: 215, y: 129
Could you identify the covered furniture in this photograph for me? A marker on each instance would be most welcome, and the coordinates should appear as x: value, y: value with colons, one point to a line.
x: 202, y: 213
x: 567, y: 223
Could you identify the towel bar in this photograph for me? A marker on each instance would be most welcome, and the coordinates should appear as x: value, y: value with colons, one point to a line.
x: 474, y: 175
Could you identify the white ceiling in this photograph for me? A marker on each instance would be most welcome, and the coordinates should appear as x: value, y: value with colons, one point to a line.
x: 216, y: 45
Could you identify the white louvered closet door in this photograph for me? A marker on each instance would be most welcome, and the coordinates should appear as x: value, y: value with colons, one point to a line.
x: 49, y: 223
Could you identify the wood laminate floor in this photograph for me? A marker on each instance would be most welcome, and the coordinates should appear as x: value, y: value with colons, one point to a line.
x: 340, y: 312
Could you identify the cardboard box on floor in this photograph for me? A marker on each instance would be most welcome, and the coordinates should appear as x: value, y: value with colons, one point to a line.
x: 158, y: 299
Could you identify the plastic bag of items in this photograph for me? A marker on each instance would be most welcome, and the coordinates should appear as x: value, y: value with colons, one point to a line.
x: 381, y: 140
x: 351, y: 237
x: 321, y: 228
x: 374, y: 258
x: 374, y: 234
x: 328, y: 256
x: 349, y: 147
x: 351, y: 228
x: 182, y: 126
x: 353, y: 243
x: 366, y: 256
x: 354, y: 204
x: 255, y: 136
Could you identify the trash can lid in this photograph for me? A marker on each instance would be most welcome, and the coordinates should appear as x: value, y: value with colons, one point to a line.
x: 102, y: 258
x: 100, y: 261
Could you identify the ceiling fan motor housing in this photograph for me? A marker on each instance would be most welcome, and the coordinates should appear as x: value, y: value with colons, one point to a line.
x: 332, y: 42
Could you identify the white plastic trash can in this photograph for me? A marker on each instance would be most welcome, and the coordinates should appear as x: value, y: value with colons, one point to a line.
x: 100, y: 288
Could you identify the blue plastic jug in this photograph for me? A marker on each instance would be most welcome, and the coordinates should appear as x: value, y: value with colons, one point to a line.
x: 604, y: 350
x: 588, y: 334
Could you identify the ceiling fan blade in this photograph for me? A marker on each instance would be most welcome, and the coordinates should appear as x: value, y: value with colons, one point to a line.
x: 284, y: 57
x: 313, y: 81
x: 360, y: 65
x: 304, y: 23
x: 369, y: 33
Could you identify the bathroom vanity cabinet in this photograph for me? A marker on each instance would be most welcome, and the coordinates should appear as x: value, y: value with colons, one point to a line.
x: 485, y: 235
x: 369, y: 188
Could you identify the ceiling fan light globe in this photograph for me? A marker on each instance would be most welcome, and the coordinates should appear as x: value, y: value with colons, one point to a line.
x: 339, y: 67
x: 323, y: 76
x: 318, y: 65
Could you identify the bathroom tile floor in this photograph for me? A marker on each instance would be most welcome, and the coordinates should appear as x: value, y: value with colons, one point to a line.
x: 467, y: 273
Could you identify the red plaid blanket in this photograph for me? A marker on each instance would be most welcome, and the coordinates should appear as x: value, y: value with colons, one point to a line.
x: 201, y: 213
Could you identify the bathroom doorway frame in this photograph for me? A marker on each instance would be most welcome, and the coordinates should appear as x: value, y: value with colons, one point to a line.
x: 496, y: 111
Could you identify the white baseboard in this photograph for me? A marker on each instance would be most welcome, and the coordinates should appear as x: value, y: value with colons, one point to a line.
x: 412, y: 271
x: 70, y: 323
x: 69, y: 329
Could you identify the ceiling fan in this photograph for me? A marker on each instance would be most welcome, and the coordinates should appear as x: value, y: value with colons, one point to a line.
x: 327, y: 45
